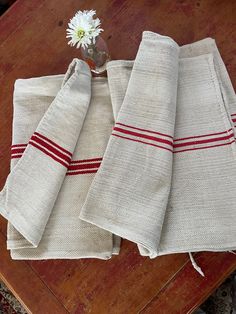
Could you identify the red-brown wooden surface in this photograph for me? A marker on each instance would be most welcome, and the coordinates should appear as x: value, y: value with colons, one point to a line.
x: 32, y: 43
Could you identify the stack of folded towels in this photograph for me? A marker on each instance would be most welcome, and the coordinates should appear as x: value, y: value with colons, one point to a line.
x: 147, y: 154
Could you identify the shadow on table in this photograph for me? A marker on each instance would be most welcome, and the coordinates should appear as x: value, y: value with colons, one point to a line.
x: 5, y: 4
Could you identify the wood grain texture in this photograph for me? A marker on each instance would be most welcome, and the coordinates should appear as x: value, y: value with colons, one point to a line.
x: 127, y: 281
x: 29, y: 288
x: 33, y: 43
x: 182, y: 295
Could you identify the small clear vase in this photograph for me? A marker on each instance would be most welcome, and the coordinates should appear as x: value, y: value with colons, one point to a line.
x: 96, y: 55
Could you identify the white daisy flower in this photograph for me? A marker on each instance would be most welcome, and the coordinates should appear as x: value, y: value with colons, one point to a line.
x: 83, y: 29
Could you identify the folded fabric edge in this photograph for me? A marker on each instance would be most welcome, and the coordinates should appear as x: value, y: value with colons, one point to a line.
x: 18, y: 244
x: 21, y: 248
x: 118, y: 231
x: 18, y: 220
x: 76, y: 67
x: 195, y: 249
x: 116, y: 244
x: 161, y: 38
x: 186, y: 51
x: 144, y: 248
x: 17, y: 255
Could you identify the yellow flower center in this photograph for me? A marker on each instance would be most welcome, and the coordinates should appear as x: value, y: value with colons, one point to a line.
x: 80, y: 33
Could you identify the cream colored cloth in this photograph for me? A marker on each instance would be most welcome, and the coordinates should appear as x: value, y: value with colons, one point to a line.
x: 167, y: 178
x: 133, y: 194
x: 51, y: 175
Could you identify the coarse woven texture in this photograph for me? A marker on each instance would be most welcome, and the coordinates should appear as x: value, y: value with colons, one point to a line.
x: 52, y: 169
x: 162, y: 175
x: 167, y: 180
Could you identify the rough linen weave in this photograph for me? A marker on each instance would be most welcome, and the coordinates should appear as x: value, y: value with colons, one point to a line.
x: 60, y: 133
x: 168, y: 177
x: 147, y: 154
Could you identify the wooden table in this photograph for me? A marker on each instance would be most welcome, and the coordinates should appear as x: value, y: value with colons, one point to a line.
x: 32, y: 43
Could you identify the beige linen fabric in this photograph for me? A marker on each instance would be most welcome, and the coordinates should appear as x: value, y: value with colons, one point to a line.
x: 129, y: 195
x: 130, y: 192
x: 167, y: 178
x: 42, y: 197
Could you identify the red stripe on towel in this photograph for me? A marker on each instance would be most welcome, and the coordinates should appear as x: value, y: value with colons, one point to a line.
x: 156, y: 139
x: 81, y: 172
x: 131, y: 139
x: 80, y: 165
x: 74, y: 164
x: 204, y: 147
x: 53, y: 143
x: 234, y: 114
x: 51, y: 148
x: 85, y: 160
x: 18, y: 145
x: 144, y: 130
x: 49, y: 154
x: 234, y: 120
x: 204, y: 141
x: 84, y: 166
x: 16, y: 156
x: 17, y: 150
x: 204, y: 135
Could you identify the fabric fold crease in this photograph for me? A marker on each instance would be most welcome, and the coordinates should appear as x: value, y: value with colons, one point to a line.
x: 146, y: 154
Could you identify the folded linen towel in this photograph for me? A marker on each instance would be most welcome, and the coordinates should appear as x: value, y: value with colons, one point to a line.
x: 166, y: 181
x: 50, y: 176
x: 135, y: 177
x: 129, y: 195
